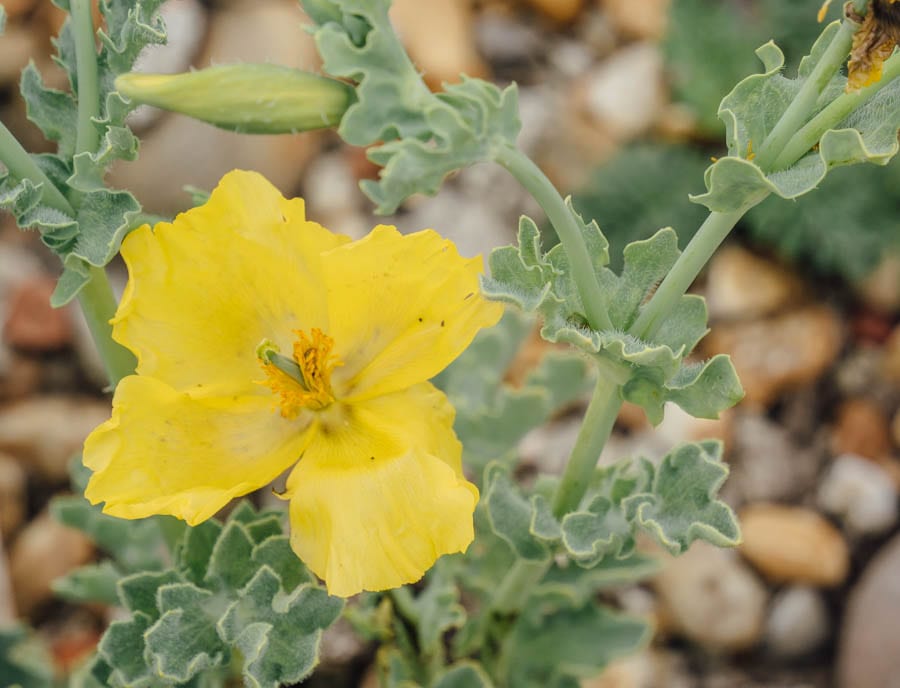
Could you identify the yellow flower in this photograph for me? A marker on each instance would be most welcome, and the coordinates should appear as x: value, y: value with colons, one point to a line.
x: 266, y: 342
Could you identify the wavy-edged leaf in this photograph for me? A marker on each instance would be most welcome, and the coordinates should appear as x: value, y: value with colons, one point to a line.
x: 425, y: 136
x: 751, y: 110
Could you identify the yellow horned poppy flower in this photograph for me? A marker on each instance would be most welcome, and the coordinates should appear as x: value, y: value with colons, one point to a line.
x: 264, y: 341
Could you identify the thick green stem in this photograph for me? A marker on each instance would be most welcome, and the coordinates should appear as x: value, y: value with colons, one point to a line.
x: 595, y: 431
x: 99, y: 306
x: 835, y: 113
x: 87, y: 138
x: 22, y: 166
x: 689, y: 264
x: 566, y: 226
x: 804, y: 102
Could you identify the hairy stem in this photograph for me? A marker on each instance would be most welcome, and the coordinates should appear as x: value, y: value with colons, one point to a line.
x: 99, y: 305
x: 803, y: 104
x: 87, y: 138
x: 689, y: 264
x: 530, y: 176
x: 835, y: 113
x: 22, y: 166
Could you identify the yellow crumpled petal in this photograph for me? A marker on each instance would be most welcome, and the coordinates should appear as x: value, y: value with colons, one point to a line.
x: 379, y: 493
x: 377, y: 499
x: 873, y: 43
x: 401, y: 308
x: 164, y: 452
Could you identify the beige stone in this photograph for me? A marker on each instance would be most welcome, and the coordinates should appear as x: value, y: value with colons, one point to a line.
x: 32, y: 323
x: 439, y: 38
x: 44, y: 551
x: 794, y: 544
x: 780, y: 353
x: 710, y: 596
x: 562, y: 11
x: 742, y: 285
x: 17, y: 45
x: 646, y: 19
x: 12, y: 496
x: 891, y: 361
x: 881, y: 288
x: 44, y: 432
x: 861, y: 428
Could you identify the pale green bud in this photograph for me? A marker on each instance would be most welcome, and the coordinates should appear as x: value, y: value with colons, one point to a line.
x: 247, y: 98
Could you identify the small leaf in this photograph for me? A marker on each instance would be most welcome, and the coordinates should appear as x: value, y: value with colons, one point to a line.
x: 511, y: 515
x: 277, y: 633
x: 682, y: 506
x: 54, y: 112
x: 92, y: 583
x: 464, y: 675
x: 231, y: 563
x: 439, y: 611
x: 138, y: 591
x: 122, y: 646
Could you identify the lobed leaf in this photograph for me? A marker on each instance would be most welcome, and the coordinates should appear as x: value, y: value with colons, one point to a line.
x: 425, y: 136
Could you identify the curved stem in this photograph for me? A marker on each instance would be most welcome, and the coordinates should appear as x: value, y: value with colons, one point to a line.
x: 804, y: 102
x: 835, y: 113
x: 566, y: 226
x: 87, y: 138
x: 99, y: 305
x: 22, y: 166
x: 689, y: 264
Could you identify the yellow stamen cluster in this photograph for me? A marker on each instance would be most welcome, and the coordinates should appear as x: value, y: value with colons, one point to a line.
x: 312, y: 354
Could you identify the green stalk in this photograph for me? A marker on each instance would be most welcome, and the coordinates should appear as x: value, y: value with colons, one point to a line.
x: 99, y: 305
x: 804, y: 103
x: 530, y: 176
x: 87, y: 138
x: 835, y: 113
x: 595, y: 431
x: 96, y: 297
x: 22, y: 166
x: 689, y: 264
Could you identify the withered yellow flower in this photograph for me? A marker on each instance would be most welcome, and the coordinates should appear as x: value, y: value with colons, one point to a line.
x: 873, y: 43
x: 265, y: 342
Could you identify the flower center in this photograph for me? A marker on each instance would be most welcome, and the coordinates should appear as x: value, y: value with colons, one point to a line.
x: 302, y: 381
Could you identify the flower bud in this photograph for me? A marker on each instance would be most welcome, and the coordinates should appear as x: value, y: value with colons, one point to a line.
x: 246, y: 98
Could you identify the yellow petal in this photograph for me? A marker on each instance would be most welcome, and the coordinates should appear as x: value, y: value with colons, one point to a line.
x: 204, y: 290
x: 164, y: 452
x: 379, y: 494
x: 401, y: 309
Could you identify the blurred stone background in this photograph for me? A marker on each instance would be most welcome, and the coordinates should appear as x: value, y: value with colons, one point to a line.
x: 618, y: 102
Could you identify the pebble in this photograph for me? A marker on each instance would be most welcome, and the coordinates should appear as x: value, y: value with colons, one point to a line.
x: 880, y: 290
x: 678, y: 426
x: 17, y: 8
x: 43, y: 433
x: 248, y: 31
x: 7, y: 602
x: 861, y: 492
x: 798, y: 622
x: 712, y: 598
x: 562, y: 11
x: 624, y: 94
x: 864, y: 372
x: 331, y: 192
x: 44, y: 551
x: 19, y: 45
x: 644, y: 20
x: 439, y: 37
x: 780, y: 353
x: 571, y: 58
x: 891, y: 360
x: 895, y: 428
x: 861, y: 428
x: 12, y: 496
x: 742, y: 285
x: 793, y: 544
x: 506, y: 39
x: 869, y: 648
x: 32, y: 324
x: 767, y: 464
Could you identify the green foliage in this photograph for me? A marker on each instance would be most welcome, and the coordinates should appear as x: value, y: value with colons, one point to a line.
x: 750, y: 112
x: 709, y: 46
x: 233, y: 587
x: 24, y: 663
x: 651, y: 372
x: 491, y: 415
x: 426, y: 136
x: 675, y: 502
x: 88, y: 225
